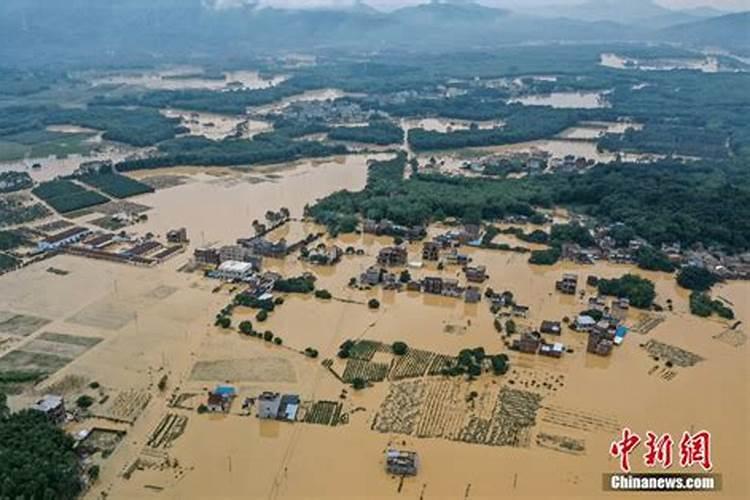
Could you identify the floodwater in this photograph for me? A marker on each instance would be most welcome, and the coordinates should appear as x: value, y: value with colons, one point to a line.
x: 218, y: 126
x: 450, y: 125
x: 594, y: 130
x: 159, y: 321
x: 310, y: 95
x: 53, y: 166
x: 706, y: 65
x: 190, y: 78
x: 581, y: 100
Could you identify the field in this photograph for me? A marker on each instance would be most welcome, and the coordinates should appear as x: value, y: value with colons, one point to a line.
x: 116, y: 185
x: 47, y: 353
x: 262, y: 369
x: 66, y: 196
x: 20, y: 325
x: 19, y: 209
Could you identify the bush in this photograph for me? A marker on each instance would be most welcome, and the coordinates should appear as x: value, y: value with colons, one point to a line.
x: 84, y: 401
x: 544, y: 257
x: 223, y: 322
x: 268, y: 336
x: 311, y: 353
x: 323, y: 294
x: 246, y: 327
x: 373, y: 303
x: 595, y: 314
x: 277, y: 341
x: 262, y: 315
x: 94, y: 385
x: 399, y: 348
x: 359, y: 383
x: 510, y: 327
x: 202, y: 409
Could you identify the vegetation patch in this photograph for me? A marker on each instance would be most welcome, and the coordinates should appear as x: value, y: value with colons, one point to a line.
x: 66, y: 196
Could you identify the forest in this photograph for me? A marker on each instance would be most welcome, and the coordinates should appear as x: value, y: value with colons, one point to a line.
x: 263, y: 148
x: 664, y: 202
x: 37, y: 459
x: 380, y: 132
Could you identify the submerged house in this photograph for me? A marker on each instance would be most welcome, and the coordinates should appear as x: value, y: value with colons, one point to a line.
x: 402, y: 463
x: 220, y: 399
x: 274, y: 406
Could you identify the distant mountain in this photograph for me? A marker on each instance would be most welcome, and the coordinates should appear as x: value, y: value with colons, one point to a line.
x: 731, y: 31
x: 621, y: 11
x: 117, y: 31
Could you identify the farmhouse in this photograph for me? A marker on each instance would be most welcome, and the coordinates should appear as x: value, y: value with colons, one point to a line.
x: 53, y: 406
x: 64, y: 238
x: 401, y: 463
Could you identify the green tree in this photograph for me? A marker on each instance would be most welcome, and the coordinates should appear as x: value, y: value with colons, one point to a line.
x: 246, y: 327
x: 696, y: 278
x: 262, y: 315
x: 399, y: 348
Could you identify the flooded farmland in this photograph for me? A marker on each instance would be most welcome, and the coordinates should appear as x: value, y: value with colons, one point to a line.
x: 581, y: 100
x: 148, y: 323
x: 190, y: 78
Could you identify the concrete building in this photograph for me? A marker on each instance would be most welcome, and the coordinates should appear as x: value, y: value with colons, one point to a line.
x: 177, y: 236
x: 568, y: 284
x: 240, y: 254
x: 433, y: 284
x: 401, y: 463
x: 392, y: 256
x: 551, y: 327
x: 53, y: 406
x: 234, y: 270
x: 476, y: 274
x: 372, y: 276
x: 268, y: 405
x: 205, y: 255
x: 472, y: 294
x: 430, y: 251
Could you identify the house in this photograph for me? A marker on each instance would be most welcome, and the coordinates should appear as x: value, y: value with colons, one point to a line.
x: 64, y: 238
x: 597, y: 303
x: 206, y: 255
x: 220, y: 399
x: 234, y: 270
x: 430, y: 251
x: 53, y: 406
x: 401, y: 463
x: 325, y: 255
x: 99, y: 241
x: 177, y: 235
x: 372, y: 276
x: 392, y: 256
x: 451, y: 288
x: 288, y: 407
x: 567, y: 284
x: 433, y: 284
x: 476, y: 274
x: 268, y: 405
x: 455, y: 258
x: 519, y: 310
x: 551, y: 327
x: 554, y: 350
x: 600, y: 341
x: 528, y: 343
x: 472, y: 294
x: 584, y: 323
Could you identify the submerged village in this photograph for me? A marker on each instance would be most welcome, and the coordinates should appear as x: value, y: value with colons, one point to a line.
x: 201, y: 329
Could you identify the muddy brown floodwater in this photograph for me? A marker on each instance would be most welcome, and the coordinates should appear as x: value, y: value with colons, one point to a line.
x: 159, y: 321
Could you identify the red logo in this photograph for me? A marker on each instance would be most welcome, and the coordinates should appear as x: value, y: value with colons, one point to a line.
x: 693, y: 448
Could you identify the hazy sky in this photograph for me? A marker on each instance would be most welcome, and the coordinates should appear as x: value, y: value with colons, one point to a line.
x: 521, y: 4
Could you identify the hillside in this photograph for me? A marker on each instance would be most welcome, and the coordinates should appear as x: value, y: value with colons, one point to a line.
x: 731, y: 31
